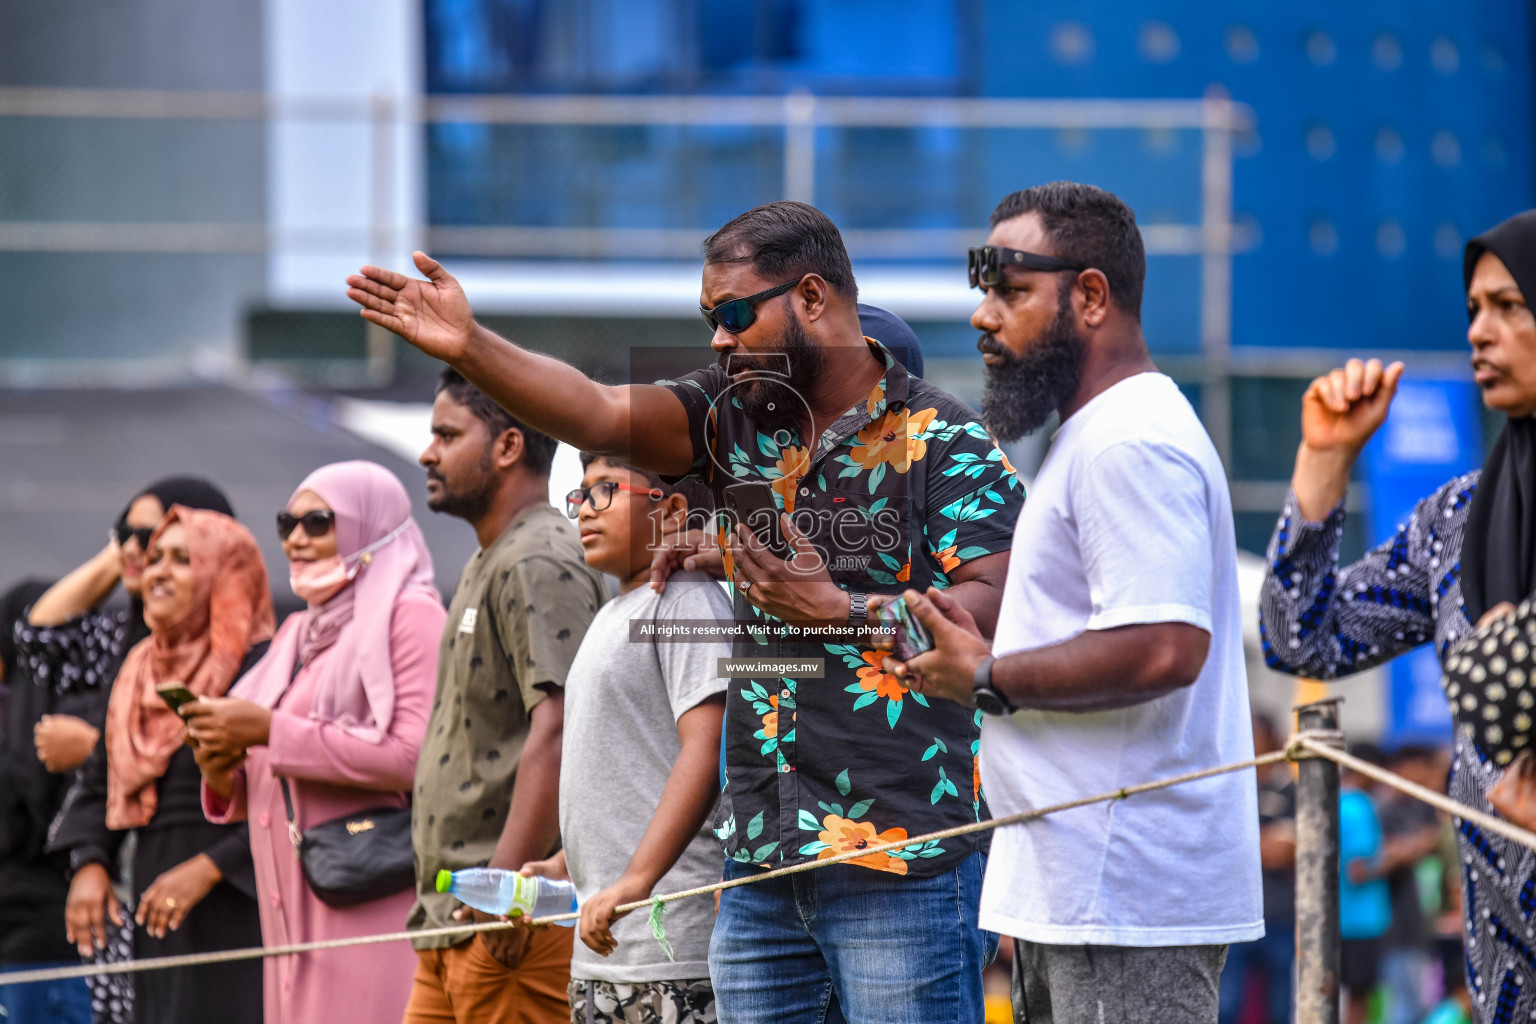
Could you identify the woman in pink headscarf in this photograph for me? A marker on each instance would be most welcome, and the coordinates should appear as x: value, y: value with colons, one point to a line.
x: 338, y: 708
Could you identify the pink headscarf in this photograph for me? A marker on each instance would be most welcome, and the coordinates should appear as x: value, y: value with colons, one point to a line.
x: 358, y: 689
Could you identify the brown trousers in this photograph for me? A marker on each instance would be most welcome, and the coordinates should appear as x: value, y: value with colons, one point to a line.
x: 465, y: 985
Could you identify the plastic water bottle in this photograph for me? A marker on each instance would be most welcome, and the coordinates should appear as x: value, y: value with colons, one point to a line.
x: 509, y: 894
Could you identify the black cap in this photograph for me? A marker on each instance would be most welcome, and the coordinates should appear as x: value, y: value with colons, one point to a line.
x: 893, y: 332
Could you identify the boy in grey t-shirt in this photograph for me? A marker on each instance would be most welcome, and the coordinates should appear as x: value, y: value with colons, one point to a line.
x: 640, y: 763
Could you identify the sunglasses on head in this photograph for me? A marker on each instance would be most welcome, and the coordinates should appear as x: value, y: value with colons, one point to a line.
x: 736, y: 315
x: 122, y: 531
x: 316, y: 524
x: 986, y: 263
x: 601, y: 496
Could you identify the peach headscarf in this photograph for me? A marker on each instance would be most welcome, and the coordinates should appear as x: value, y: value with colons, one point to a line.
x: 231, y: 611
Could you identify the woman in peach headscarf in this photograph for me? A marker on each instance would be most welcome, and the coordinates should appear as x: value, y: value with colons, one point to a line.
x: 336, y: 712
x: 210, y: 617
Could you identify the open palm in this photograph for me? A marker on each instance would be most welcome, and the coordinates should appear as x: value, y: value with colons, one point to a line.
x: 433, y: 315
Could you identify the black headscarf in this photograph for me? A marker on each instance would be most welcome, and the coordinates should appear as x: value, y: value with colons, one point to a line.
x: 1498, y: 553
x: 191, y: 491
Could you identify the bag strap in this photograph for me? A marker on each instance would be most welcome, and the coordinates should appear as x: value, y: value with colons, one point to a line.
x: 293, y: 830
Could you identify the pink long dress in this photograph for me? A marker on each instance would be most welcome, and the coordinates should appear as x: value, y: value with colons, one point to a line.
x: 330, y: 774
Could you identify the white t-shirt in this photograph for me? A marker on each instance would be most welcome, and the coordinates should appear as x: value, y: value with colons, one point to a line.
x: 1129, y: 521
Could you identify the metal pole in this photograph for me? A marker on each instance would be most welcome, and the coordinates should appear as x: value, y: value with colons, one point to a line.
x: 381, y: 234
x: 1317, y: 872
x: 800, y: 146
x: 1216, y: 270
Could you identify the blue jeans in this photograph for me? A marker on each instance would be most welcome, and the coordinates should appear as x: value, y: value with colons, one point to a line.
x: 1273, y: 957
x: 45, y: 1002
x: 851, y: 944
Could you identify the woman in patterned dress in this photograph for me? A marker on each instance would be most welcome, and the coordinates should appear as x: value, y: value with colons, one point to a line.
x: 1464, y: 557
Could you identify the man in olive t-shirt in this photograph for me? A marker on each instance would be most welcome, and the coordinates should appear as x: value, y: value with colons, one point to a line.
x: 487, y: 781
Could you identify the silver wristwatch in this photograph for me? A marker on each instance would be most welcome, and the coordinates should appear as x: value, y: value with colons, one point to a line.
x: 858, y: 607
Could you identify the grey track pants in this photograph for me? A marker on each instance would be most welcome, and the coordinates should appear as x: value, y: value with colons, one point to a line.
x: 1114, y: 984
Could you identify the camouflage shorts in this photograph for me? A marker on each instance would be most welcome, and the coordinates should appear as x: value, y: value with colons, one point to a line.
x: 646, y: 1002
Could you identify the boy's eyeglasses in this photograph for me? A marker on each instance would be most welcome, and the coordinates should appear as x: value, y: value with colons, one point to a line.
x: 122, y: 531
x: 316, y: 524
x: 985, y: 264
x: 601, y: 496
x: 736, y: 315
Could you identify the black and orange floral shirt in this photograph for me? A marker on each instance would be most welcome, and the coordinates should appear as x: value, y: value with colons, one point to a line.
x: 898, y: 492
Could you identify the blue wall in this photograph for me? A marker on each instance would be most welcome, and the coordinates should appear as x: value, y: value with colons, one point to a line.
x: 1387, y: 133
x: 721, y: 46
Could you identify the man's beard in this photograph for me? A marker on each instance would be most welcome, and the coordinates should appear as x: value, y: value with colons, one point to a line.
x: 472, y: 500
x: 1020, y: 395
x: 788, y: 398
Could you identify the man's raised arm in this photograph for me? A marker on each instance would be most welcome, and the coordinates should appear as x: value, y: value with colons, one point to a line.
x: 643, y: 425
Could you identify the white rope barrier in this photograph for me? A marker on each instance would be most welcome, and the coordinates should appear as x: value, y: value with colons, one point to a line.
x: 1302, y: 745
x: 259, y: 952
x: 1439, y: 801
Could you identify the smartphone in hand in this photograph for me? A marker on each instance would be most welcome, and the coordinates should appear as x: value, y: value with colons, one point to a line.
x: 753, y: 503
x: 175, y: 695
x: 910, y: 637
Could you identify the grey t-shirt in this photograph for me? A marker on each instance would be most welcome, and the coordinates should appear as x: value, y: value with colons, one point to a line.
x: 622, y: 702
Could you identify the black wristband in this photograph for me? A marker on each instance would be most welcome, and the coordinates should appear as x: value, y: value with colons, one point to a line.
x: 987, y: 698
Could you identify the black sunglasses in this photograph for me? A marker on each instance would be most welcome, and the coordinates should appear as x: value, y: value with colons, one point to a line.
x: 316, y: 524
x: 601, y: 496
x: 986, y: 263
x: 141, y: 533
x: 736, y: 315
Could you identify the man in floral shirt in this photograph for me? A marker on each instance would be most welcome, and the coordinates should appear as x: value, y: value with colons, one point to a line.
x: 886, y: 482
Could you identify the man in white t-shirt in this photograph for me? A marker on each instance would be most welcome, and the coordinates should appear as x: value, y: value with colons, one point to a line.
x: 1118, y: 657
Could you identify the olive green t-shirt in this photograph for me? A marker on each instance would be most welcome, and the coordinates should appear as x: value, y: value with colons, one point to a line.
x: 516, y: 619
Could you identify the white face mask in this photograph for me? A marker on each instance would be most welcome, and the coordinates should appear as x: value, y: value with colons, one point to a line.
x: 317, y: 582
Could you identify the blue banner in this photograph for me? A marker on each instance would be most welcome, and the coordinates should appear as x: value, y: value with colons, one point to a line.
x: 1434, y: 433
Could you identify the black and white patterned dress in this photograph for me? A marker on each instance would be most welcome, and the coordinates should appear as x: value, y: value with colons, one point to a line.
x: 80, y: 656
x: 1323, y: 621
x: 77, y: 662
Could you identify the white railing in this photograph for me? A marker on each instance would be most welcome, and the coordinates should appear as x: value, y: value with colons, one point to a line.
x: 798, y: 116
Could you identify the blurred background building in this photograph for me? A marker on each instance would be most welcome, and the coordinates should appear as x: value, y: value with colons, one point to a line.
x: 184, y: 185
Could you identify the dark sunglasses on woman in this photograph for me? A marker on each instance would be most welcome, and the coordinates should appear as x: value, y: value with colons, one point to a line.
x: 736, y: 315
x: 122, y: 531
x: 316, y: 524
x: 601, y: 496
